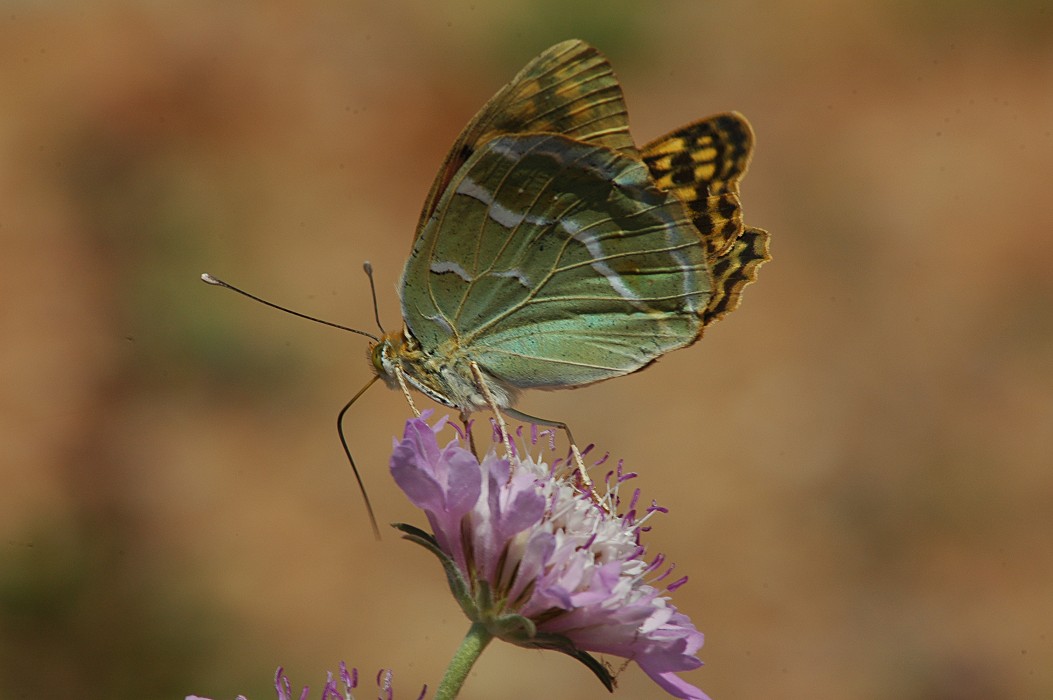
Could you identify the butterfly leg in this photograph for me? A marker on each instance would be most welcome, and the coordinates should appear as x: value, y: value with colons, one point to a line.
x: 406, y: 392
x: 579, y: 463
x: 481, y: 382
x: 467, y: 423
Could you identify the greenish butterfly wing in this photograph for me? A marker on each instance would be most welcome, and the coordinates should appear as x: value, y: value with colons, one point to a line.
x: 702, y: 164
x: 555, y: 263
x: 568, y: 89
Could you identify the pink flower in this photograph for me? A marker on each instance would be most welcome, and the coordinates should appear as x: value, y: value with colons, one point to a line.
x: 333, y: 689
x: 542, y: 564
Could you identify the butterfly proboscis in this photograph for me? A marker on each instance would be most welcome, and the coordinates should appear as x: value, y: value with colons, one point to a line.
x: 215, y: 281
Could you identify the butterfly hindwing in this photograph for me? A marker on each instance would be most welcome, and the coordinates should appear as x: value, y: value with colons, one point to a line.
x: 554, y: 263
x: 733, y: 270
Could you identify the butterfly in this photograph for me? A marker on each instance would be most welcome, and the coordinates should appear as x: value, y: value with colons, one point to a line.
x: 552, y: 252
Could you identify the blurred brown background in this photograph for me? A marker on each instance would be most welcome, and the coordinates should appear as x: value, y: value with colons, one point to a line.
x: 859, y: 462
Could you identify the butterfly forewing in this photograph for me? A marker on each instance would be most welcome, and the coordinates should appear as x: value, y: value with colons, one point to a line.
x: 709, y: 156
x: 553, y: 262
x: 702, y: 164
x: 569, y: 89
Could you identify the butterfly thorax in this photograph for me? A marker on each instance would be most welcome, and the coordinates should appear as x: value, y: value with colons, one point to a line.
x: 443, y: 375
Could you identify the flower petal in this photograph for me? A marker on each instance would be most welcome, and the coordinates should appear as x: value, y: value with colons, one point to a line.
x: 442, y: 482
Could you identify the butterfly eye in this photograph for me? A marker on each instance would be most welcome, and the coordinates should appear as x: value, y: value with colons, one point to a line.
x: 376, y: 356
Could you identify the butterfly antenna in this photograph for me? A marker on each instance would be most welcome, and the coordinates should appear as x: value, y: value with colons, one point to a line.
x: 347, y: 451
x: 368, y: 268
x: 215, y: 281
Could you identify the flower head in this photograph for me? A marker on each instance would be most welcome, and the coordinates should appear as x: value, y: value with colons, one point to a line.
x: 543, y: 564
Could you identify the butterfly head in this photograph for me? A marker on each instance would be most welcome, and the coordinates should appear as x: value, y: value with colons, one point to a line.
x: 445, y: 376
x: 384, y: 355
x: 398, y: 359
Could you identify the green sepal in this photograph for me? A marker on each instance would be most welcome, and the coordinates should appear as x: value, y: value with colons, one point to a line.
x: 557, y: 642
x: 458, y: 586
x: 522, y: 631
x: 510, y: 627
x: 415, y: 534
x: 513, y: 628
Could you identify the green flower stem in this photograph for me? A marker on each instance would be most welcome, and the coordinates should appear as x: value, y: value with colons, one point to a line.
x: 461, y: 663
